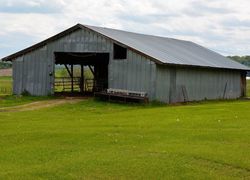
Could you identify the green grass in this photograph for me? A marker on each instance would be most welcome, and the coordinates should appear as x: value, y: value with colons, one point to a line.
x: 11, y: 100
x: 5, y: 85
x: 97, y: 140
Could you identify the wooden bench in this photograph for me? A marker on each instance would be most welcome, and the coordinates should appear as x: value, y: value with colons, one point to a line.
x: 122, y: 95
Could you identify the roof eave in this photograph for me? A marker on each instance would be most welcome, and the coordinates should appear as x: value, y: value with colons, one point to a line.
x: 206, y: 67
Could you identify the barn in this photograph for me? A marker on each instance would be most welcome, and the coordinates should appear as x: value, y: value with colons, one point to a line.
x: 168, y: 70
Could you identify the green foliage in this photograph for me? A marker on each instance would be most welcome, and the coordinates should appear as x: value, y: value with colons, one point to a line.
x: 99, y: 140
x: 241, y: 59
x: 5, y: 65
x: 62, y: 72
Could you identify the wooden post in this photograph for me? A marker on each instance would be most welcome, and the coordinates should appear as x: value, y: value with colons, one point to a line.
x: 72, y: 83
x: 82, y: 78
x: 243, y: 84
x: 68, y: 70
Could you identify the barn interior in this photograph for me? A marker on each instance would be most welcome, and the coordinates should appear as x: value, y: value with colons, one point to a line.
x: 77, y: 65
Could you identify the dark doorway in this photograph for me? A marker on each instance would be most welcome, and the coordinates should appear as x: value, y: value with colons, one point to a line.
x: 85, y: 72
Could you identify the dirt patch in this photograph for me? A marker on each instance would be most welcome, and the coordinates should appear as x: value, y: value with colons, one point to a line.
x: 41, y: 104
x: 6, y: 72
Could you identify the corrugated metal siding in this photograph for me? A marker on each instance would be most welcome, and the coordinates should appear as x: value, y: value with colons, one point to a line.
x: 136, y: 73
x: 32, y: 73
x: 208, y: 84
x: 199, y: 84
x: 17, y: 76
x: 163, y: 84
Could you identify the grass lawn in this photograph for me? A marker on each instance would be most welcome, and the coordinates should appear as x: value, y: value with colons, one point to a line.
x: 6, y: 99
x: 93, y: 140
x: 11, y: 100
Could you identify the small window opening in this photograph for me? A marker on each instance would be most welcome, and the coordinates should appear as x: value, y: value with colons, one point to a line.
x: 120, y: 52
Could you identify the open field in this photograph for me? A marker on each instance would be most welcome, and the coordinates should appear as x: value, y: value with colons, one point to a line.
x: 6, y: 72
x: 92, y: 140
x: 50, y: 138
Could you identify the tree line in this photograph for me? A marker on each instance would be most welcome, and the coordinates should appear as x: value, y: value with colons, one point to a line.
x: 5, y: 65
x: 241, y: 59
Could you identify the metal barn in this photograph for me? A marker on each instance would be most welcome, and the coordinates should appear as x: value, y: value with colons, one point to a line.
x: 168, y: 70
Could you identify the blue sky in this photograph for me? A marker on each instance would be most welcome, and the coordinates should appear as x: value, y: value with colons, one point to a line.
x: 221, y: 25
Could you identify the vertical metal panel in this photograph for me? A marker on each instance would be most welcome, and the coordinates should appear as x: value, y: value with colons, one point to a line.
x: 33, y: 78
x: 17, y: 75
x: 163, y: 84
x: 152, y: 78
x: 135, y: 73
x: 14, y: 77
x: 196, y: 84
x: 208, y: 83
x: 172, y: 83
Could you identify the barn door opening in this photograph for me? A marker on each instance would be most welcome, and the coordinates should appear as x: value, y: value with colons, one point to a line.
x: 80, y: 73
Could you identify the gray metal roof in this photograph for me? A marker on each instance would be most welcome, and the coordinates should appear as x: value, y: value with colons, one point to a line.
x: 170, y: 51
x: 161, y: 49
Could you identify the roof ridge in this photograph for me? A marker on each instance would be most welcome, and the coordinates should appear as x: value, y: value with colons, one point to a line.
x: 131, y: 32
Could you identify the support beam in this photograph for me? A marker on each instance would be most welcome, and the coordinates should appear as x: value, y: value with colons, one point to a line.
x: 91, y: 69
x: 82, y: 79
x: 72, y: 74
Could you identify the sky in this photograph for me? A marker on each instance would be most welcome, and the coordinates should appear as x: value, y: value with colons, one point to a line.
x: 220, y: 25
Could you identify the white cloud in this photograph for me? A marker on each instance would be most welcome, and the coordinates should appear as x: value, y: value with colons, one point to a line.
x: 221, y: 25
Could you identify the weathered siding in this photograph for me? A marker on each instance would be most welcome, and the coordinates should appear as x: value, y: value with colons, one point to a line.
x: 31, y: 71
x: 163, y: 83
x: 173, y: 83
x: 135, y: 73
x: 208, y: 84
x: 17, y: 75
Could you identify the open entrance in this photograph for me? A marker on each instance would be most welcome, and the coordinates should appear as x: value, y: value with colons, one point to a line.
x: 81, y: 73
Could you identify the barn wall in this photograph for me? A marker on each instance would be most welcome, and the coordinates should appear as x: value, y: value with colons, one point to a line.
x: 136, y: 73
x: 17, y: 67
x: 163, y: 83
x: 196, y: 84
x: 32, y: 71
